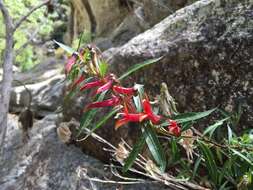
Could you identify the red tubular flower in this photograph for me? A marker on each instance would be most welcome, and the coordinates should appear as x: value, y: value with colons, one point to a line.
x: 77, y: 81
x: 110, y: 102
x: 148, y: 110
x: 130, y: 117
x: 174, y: 128
x: 91, y: 85
x: 122, y: 90
x: 105, y: 87
x: 71, y: 61
x: 121, y: 122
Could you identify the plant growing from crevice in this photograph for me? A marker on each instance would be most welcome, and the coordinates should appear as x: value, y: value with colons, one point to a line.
x: 228, y: 163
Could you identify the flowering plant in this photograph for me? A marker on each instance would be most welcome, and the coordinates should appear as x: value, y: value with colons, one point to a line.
x: 86, y: 70
x: 228, y: 163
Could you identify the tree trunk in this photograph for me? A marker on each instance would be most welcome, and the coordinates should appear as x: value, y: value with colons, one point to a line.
x: 7, y: 74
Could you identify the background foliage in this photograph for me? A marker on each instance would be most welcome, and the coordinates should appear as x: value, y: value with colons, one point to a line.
x: 39, y: 25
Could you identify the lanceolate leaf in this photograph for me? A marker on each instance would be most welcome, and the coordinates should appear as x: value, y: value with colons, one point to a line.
x: 64, y: 47
x: 186, y: 117
x: 174, y: 149
x: 154, y: 146
x: 242, y: 156
x: 213, y: 127
x: 90, y: 114
x: 106, y: 118
x: 196, y: 166
x: 75, y: 91
x: 80, y: 41
x: 230, y: 134
x: 186, y: 125
x: 210, y: 162
x: 139, y: 66
x: 103, y: 67
x: 134, y: 153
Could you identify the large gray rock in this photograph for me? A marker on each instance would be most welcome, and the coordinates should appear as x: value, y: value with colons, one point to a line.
x: 208, y: 56
x: 156, y: 10
x: 45, y: 163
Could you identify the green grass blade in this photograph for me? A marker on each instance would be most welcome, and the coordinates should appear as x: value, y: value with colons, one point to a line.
x: 213, y: 127
x: 230, y: 134
x: 243, y: 157
x: 103, y: 68
x: 136, y: 67
x: 186, y: 126
x: 192, y: 116
x: 154, y: 146
x: 65, y: 47
x: 210, y: 162
x: 174, y: 150
x: 134, y: 153
x: 80, y: 41
x: 196, y: 167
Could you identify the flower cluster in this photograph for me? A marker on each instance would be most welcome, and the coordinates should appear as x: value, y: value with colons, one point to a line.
x: 89, y: 72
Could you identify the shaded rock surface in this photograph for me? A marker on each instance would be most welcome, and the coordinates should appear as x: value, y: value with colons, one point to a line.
x: 44, y: 163
x: 46, y: 82
x: 115, y: 22
x: 208, y: 56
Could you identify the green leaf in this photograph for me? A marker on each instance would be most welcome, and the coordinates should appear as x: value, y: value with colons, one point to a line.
x: 90, y: 114
x: 242, y: 156
x: 192, y: 116
x: 164, y: 124
x: 103, y: 67
x: 74, y: 91
x: 104, y: 120
x: 64, y: 47
x: 80, y: 41
x: 154, y: 146
x: 219, y: 155
x: 186, y: 125
x: 213, y: 127
x: 223, y: 186
x: 70, y: 95
x: 209, y: 161
x: 134, y: 153
x: 230, y: 134
x: 136, y: 67
x: 174, y: 149
x: 196, y: 166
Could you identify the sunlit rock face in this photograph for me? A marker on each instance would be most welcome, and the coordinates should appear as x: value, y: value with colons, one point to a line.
x: 107, y: 16
x: 114, y: 22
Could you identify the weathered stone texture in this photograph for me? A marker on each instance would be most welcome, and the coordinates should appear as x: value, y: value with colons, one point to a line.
x: 208, y: 56
x: 45, y: 163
